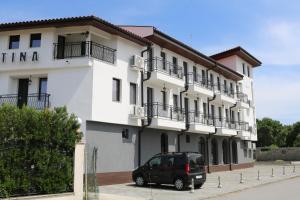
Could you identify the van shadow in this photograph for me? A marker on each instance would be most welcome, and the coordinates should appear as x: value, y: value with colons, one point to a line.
x: 157, y: 187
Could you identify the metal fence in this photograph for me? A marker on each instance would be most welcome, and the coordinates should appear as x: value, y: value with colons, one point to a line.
x: 38, y: 101
x: 83, y: 49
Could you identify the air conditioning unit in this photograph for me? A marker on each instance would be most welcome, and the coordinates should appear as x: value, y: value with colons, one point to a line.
x: 137, y: 63
x: 137, y: 112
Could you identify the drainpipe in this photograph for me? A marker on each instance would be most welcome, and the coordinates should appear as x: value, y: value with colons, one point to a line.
x: 230, y: 152
x: 187, y: 125
x: 207, y: 149
x: 141, y: 130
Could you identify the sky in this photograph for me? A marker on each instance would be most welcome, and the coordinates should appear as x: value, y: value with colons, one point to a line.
x: 268, y: 29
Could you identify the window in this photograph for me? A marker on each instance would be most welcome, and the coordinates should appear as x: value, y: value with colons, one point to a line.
x: 212, y: 80
x: 125, y: 134
x: 227, y: 115
x: 244, y: 69
x: 196, y: 108
x: 42, y: 87
x: 220, y: 113
x: 195, y: 76
x: 155, y: 162
x: 185, y: 68
x: 164, y: 99
x: 248, y: 70
x: 239, y: 116
x: 203, y: 77
x: 205, y: 109
x: 187, y: 138
x: 14, y: 41
x: 225, y: 86
x: 231, y: 88
x: 232, y: 116
x: 133, y: 93
x: 212, y: 109
x: 35, y: 40
x: 175, y: 68
x: 163, y: 57
x: 175, y: 102
x: 219, y: 83
x: 116, y: 90
x: 168, y: 161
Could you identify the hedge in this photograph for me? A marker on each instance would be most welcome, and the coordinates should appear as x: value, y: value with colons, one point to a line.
x: 36, y: 150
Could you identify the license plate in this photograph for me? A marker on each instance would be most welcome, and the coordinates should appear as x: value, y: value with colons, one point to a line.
x: 199, y: 176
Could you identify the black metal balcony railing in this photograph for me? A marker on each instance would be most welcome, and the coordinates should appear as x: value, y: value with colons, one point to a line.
x: 227, y: 123
x: 200, y: 118
x: 242, y: 97
x: 222, y: 89
x: 195, y: 79
x: 36, y: 101
x: 163, y: 66
x: 160, y: 110
x: 84, y: 49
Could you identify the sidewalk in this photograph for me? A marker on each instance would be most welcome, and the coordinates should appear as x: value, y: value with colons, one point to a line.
x: 230, y: 182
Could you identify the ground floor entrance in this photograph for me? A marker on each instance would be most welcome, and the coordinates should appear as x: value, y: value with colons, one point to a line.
x: 121, y: 150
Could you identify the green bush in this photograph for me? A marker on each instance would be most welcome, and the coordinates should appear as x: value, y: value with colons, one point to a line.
x: 36, y: 150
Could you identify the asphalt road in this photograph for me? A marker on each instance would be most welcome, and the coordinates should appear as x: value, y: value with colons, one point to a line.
x: 287, y: 190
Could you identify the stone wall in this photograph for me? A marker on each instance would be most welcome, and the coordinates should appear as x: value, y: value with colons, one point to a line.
x: 286, y: 154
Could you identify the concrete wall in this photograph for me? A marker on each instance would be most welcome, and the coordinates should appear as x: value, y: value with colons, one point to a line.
x: 114, y: 153
x: 287, y: 154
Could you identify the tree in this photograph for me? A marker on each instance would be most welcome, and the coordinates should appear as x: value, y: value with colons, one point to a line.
x: 293, y: 136
x: 270, y: 132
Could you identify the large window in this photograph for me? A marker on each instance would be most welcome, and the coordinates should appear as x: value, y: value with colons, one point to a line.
x: 248, y: 70
x: 133, y: 93
x: 14, y: 41
x: 205, y: 109
x: 35, y: 40
x: 116, y: 90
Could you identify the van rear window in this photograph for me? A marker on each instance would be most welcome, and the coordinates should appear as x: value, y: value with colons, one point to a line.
x: 195, y: 161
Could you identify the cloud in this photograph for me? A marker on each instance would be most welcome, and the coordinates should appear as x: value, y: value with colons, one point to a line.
x: 277, y: 93
x: 278, y: 42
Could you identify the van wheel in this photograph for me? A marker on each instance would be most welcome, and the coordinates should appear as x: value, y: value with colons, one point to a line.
x: 140, y: 181
x: 179, y: 184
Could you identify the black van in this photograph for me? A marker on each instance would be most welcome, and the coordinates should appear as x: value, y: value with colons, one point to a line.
x: 172, y: 168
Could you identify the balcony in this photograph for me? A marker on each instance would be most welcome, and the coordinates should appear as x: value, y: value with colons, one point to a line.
x: 243, y: 101
x: 165, y: 116
x: 164, y: 72
x: 36, y: 101
x: 226, y: 127
x: 84, y: 49
x: 244, y: 130
x: 200, y: 123
x: 224, y: 94
x: 199, y: 85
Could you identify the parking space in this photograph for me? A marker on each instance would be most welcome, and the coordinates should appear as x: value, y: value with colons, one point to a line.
x: 230, y: 181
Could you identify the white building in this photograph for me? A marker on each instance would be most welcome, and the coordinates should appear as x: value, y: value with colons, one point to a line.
x: 138, y: 91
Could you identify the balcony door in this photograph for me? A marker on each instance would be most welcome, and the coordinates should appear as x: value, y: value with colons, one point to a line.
x: 23, y: 92
x: 150, y: 102
x: 186, y: 111
x: 61, y: 41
